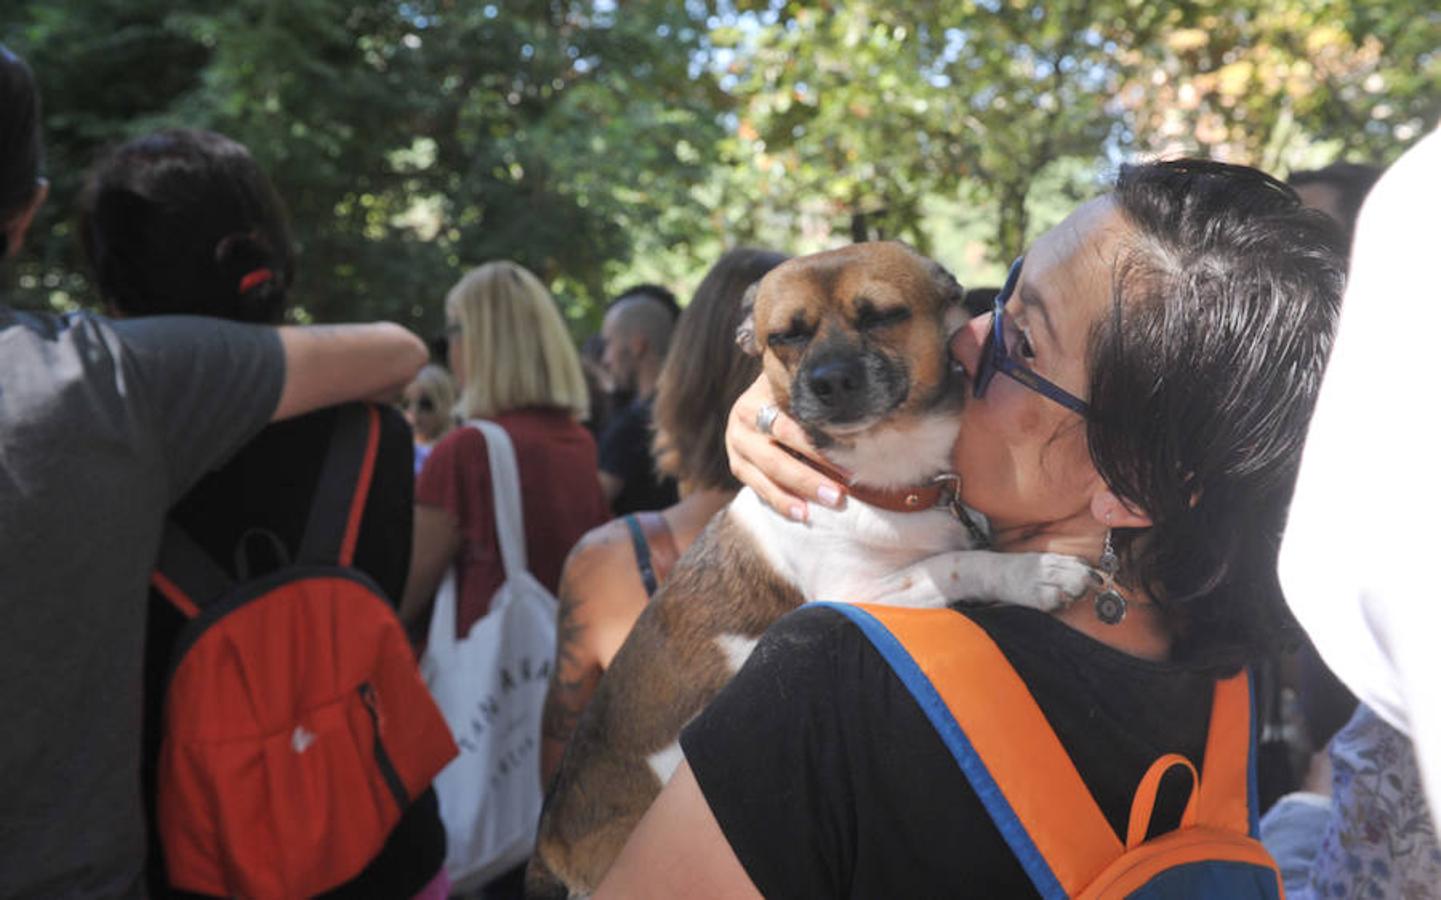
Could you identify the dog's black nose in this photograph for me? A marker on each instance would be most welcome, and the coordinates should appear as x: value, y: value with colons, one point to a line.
x: 837, y: 382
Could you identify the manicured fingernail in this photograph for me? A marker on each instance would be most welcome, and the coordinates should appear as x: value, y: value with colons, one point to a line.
x: 798, y: 512
x: 829, y: 494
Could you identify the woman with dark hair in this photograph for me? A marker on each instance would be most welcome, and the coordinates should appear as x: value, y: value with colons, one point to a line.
x: 185, y: 221
x: 103, y: 426
x: 612, y: 573
x: 1162, y: 349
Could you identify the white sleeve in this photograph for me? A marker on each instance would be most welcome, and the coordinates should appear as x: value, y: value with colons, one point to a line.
x: 1363, y: 530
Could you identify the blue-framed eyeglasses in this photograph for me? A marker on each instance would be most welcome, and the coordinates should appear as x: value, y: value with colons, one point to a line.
x: 996, y: 357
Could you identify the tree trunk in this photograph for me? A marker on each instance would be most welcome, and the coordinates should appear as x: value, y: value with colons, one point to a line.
x: 860, y: 228
x: 1011, y: 219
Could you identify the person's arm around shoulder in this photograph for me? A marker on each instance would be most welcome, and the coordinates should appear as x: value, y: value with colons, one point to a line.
x: 600, y: 597
x: 198, y: 387
x: 678, y: 850
x: 330, y: 364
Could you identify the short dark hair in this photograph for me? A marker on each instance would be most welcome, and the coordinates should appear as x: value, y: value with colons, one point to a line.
x: 185, y: 221
x: 698, y: 385
x: 1203, y: 380
x: 22, y: 154
x: 654, y: 291
x: 1351, y: 182
x: 979, y: 301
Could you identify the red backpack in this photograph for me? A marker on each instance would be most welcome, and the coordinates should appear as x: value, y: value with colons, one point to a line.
x: 297, y: 728
x: 987, y: 718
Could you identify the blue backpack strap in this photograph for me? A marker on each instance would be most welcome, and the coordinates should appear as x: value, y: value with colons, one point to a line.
x: 642, y: 553
x: 983, y: 713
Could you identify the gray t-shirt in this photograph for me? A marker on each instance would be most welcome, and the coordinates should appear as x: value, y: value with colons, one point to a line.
x: 103, y: 425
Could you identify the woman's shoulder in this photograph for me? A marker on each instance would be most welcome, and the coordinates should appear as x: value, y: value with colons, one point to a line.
x: 459, y: 436
x: 602, y: 567
x: 462, y: 448
x: 546, y: 427
x: 1060, y: 664
x: 599, y: 555
x: 600, y: 548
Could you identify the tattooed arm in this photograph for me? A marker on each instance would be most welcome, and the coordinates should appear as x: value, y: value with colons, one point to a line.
x: 572, y: 681
x: 601, y: 596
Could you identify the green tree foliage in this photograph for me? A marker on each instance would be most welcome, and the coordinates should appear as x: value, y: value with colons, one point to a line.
x: 1287, y: 85
x: 410, y: 140
x: 600, y: 142
x: 858, y: 112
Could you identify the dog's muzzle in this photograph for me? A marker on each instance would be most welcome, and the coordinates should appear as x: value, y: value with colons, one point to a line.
x: 846, y: 389
x: 838, y: 383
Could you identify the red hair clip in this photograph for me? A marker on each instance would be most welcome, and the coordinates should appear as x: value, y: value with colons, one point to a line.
x: 254, y: 279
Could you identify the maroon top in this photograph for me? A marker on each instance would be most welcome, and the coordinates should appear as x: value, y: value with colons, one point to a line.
x: 560, y: 498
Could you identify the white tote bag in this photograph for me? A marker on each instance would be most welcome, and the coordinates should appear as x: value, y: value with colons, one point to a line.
x: 491, y: 687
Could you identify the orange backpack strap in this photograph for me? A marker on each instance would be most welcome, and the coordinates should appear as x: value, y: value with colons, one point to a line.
x: 335, y: 512
x: 1227, y: 796
x: 1223, y: 794
x: 984, y: 712
x: 1143, y: 804
x: 985, y: 715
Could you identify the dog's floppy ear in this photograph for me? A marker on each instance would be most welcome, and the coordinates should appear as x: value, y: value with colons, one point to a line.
x: 945, y: 284
x: 746, y: 330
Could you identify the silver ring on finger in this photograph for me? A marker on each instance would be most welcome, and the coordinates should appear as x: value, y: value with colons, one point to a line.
x: 766, y: 418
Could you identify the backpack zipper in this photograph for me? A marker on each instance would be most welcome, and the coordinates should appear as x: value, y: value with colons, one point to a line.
x: 371, y: 699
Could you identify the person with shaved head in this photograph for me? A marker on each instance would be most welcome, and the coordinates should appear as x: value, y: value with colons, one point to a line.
x: 636, y: 333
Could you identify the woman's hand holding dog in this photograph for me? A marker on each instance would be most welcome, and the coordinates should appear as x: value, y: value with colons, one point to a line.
x: 761, y: 462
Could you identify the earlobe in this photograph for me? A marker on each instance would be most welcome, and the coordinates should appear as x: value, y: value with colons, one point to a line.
x: 1114, y: 512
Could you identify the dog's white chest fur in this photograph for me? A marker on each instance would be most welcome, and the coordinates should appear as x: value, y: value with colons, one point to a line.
x: 861, y: 554
x: 849, y: 555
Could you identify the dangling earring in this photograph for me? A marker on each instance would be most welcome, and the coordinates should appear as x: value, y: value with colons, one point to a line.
x: 1110, y: 605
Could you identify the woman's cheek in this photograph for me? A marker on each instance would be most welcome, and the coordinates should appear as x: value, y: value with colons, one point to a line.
x: 978, y: 452
x: 1032, y: 423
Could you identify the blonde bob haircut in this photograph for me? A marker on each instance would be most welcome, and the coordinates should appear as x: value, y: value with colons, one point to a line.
x: 514, y: 347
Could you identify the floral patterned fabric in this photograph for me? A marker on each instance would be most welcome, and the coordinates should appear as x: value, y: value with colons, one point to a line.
x: 1378, y: 841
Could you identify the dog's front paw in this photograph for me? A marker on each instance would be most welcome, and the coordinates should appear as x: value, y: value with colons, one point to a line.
x: 1060, y: 580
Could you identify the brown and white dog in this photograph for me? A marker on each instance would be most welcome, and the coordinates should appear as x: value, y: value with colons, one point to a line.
x: 854, y: 346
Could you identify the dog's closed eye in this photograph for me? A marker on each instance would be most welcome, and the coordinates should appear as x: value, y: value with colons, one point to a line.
x: 869, y: 317
x: 798, y: 333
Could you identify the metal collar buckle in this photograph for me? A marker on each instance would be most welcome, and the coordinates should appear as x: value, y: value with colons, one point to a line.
x: 951, y: 498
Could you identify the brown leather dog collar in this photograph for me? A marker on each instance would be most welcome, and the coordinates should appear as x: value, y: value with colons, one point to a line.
x: 943, y: 490
x: 911, y: 499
